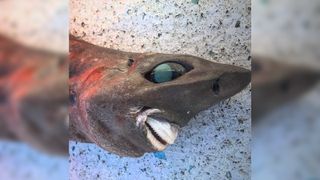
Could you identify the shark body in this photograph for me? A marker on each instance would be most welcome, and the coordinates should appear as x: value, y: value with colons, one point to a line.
x: 33, y: 96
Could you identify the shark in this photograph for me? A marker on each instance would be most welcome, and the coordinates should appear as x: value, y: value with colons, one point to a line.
x: 127, y: 103
x: 34, y: 96
x: 130, y: 103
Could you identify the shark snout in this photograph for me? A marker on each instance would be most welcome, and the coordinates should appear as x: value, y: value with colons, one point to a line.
x: 231, y: 81
x: 215, y: 83
x: 218, y: 81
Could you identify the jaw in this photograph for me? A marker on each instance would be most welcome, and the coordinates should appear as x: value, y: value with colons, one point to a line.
x: 159, y: 131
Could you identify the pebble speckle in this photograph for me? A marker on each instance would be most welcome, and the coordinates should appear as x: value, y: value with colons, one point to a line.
x: 215, y: 30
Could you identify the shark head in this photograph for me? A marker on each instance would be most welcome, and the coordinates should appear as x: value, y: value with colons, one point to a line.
x: 139, y: 102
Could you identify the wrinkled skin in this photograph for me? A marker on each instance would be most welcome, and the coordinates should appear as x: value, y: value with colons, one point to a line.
x: 105, y: 85
x: 33, y: 97
x: 276, y: 83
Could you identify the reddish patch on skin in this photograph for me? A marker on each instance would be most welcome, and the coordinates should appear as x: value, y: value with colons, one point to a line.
x: 19, y: 84
x: 90, y: 79
x: 72, y: 56
x: 21, y: 81
x: 93, y: 75
x: 24, y: 75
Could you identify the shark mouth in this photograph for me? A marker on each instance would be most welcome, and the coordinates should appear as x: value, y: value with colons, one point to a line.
x: 160, y: 132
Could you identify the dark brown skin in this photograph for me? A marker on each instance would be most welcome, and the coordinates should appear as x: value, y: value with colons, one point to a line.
x: 33, y: 97
x: 276, y: 83
x: 105, y: 84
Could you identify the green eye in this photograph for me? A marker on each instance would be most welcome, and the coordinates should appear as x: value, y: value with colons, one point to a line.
x: 166, y: 72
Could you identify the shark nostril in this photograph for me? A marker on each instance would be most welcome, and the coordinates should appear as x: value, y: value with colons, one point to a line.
x: 216, y: 87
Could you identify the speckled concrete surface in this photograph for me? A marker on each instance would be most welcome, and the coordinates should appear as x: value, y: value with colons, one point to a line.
x: 216, y: 143
x: 216, y: 30
x: 285, y: 144
x: 36, y: 23
x: 19, y: 161
x: 287, y: 30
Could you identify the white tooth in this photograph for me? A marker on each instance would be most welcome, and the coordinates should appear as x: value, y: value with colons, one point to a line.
x: 142, y: 117
x: 159, y: 146
x: 164, y: 130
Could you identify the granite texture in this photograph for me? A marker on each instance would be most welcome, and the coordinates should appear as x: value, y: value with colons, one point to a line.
x: 36, y: 23
x: 216, y: 143
x: 213, y: 29
x: 285, y: 145
x: 287, y: 30
x: 19, y: 161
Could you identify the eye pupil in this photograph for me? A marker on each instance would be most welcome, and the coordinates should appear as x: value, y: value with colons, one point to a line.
x: 166, y: 72
x: 162, y: 73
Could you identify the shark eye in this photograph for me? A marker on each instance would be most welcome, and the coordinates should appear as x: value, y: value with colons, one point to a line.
x: 166, y: 72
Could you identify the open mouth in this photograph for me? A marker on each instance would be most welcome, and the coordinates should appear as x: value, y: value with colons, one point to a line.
x: 160, y: 132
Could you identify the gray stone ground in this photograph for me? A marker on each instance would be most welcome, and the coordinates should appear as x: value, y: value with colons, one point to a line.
x: 216, y: 143
x: 19, y: 161
x: 285, y: 144
x: 36, y: 23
